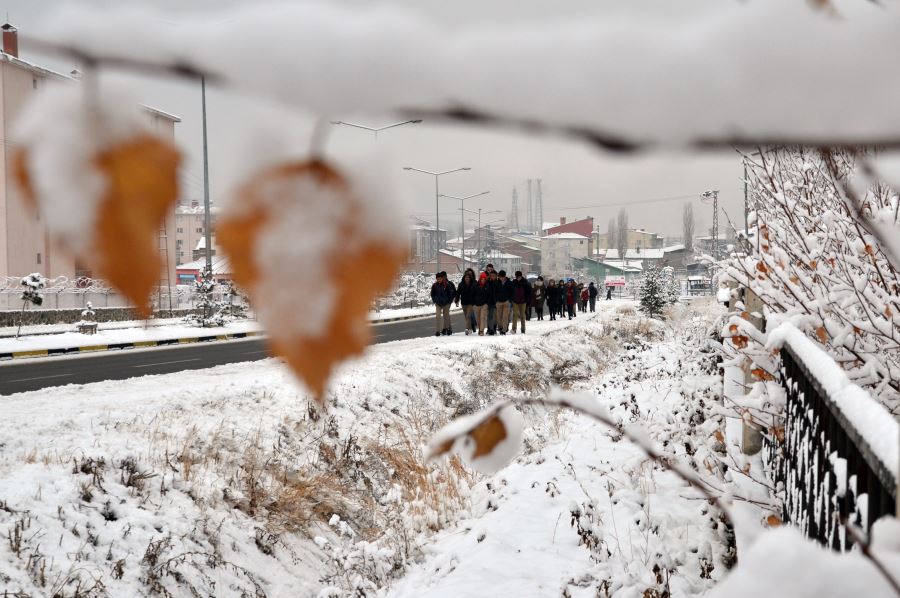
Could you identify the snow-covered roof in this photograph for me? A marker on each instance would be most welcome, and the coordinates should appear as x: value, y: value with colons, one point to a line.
x: 189, y: 209
x: 502, y: 256
x: 220, y: 265
x: 677, y: 247
x: 45, y: 72
x: 632, y: 254
x: 561, y: 236
x: 201, y: 243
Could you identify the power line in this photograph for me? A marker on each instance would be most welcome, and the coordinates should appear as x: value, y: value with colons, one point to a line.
x: 632, y: 202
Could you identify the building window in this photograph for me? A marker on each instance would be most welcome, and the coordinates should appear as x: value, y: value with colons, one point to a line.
x: 200, y: 229
x: 34, y: 83
x: 181, y: 230
x: 39, y: 258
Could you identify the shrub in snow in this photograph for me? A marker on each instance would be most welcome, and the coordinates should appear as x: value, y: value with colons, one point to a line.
x: 31, y: 294
x: 655, y: 292
x: 815, y: 260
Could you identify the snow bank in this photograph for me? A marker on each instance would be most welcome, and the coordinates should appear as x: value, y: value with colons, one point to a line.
x: 870, y: 418
x: 784, y: 564
x: 622, y: 78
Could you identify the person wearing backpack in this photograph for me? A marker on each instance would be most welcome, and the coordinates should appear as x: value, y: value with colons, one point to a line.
x: 442, y: 295
x: 592, y: 296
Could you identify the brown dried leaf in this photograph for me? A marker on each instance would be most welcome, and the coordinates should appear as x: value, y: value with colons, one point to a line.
x: 358, y: 275
x: 141, y: 178
x: 487, y: 435
x: 773, y: 521
x: 821, y: 334
x: 717, y: 434
x: 761, y: 374
x: 740, y: 341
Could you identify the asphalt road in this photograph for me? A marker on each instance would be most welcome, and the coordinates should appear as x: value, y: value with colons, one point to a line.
x: 42, y: 372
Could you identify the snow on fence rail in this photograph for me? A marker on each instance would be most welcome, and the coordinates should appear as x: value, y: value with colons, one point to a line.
x: 838, y: 458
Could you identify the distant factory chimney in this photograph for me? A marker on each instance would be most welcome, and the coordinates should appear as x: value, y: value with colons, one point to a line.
x: 10, y: 40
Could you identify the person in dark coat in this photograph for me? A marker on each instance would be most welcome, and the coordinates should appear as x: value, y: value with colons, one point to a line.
x: 561, y: 306
x: 538, y: 296
x: 552, y: 298
x: 592, y: 296
x: 442, y: 294
x: 609, y: 290
x: 582, y: 297
x: 504, y: 302
x: 465, y: 296
x: 494, y: 283
x: 482, y: 296
x: 521, y: 294
x: 571, y: 298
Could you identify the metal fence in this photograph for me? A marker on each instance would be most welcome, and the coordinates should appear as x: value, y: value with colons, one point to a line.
x: 828, y: 471
x: 65, y: 293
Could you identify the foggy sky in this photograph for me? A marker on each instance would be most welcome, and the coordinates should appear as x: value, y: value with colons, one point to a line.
x: 577, y: 180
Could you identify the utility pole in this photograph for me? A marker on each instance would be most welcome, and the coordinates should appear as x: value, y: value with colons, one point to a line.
x: 206, y: 215
x: 714, y: 195
x: 539, y: 209
x: 437, y: 213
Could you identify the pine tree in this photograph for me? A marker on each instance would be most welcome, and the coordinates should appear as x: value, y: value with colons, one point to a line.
x: 653, y: 292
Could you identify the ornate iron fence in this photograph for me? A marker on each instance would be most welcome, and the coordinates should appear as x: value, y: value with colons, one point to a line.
x: 827, y: 469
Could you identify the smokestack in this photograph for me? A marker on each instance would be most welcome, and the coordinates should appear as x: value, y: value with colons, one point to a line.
x: 10, y: 40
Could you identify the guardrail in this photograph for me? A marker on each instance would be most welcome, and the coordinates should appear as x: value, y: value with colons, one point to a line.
x: 832, y: 468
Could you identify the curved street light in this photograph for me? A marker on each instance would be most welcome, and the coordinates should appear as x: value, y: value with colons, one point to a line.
x: 375, y: 130
x: 462, y: 215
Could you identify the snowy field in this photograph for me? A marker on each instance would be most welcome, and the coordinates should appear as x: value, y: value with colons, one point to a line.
x: 229, y: 482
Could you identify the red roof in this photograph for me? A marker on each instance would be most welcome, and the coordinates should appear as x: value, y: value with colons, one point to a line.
x: 581, y: 227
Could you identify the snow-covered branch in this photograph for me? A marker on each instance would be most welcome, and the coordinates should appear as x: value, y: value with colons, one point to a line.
x: 617, y: 83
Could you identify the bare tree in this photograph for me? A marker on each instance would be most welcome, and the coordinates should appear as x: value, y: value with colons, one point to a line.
x: 687, y: 218
x: 611, y: 234
x: 622, y: 234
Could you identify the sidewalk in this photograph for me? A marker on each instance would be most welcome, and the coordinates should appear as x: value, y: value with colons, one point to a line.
x: 64, y: 342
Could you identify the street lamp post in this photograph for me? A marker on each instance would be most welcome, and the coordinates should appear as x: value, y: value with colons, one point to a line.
x: 437, y: 215
x: 462, y: 215
x: 375, y: 130
x: 488, y: 224
x: 479, y: 227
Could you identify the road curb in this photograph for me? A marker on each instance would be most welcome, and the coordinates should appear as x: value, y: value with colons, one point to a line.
x: 161, y: 343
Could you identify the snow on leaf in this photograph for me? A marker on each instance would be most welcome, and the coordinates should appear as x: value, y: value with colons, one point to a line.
x: 303, y: 245
x: 487, y: 441
x: 141, y: 185
x: 102, y: 181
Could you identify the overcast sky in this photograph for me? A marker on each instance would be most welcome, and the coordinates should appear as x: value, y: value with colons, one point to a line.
x: 577, y: 180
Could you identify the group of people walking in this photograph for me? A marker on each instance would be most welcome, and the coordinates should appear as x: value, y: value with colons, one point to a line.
x: 491, y: 301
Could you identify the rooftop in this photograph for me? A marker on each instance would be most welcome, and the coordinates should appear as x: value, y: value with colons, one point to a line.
x: 556, y: 236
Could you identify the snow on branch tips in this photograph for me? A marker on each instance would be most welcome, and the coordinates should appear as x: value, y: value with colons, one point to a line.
x: 814, y: 263
x: 102, y: 181
x: 692, y: 85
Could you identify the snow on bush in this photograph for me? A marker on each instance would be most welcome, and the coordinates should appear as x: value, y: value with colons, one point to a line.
x: 814, y: 262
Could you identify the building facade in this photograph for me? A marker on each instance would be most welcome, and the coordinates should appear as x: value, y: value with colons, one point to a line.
x: 190, y: 231
x: 25, y: 245
x: 558, y: 251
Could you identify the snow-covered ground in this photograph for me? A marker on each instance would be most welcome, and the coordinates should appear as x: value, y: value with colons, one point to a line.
x: 229, y: 481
